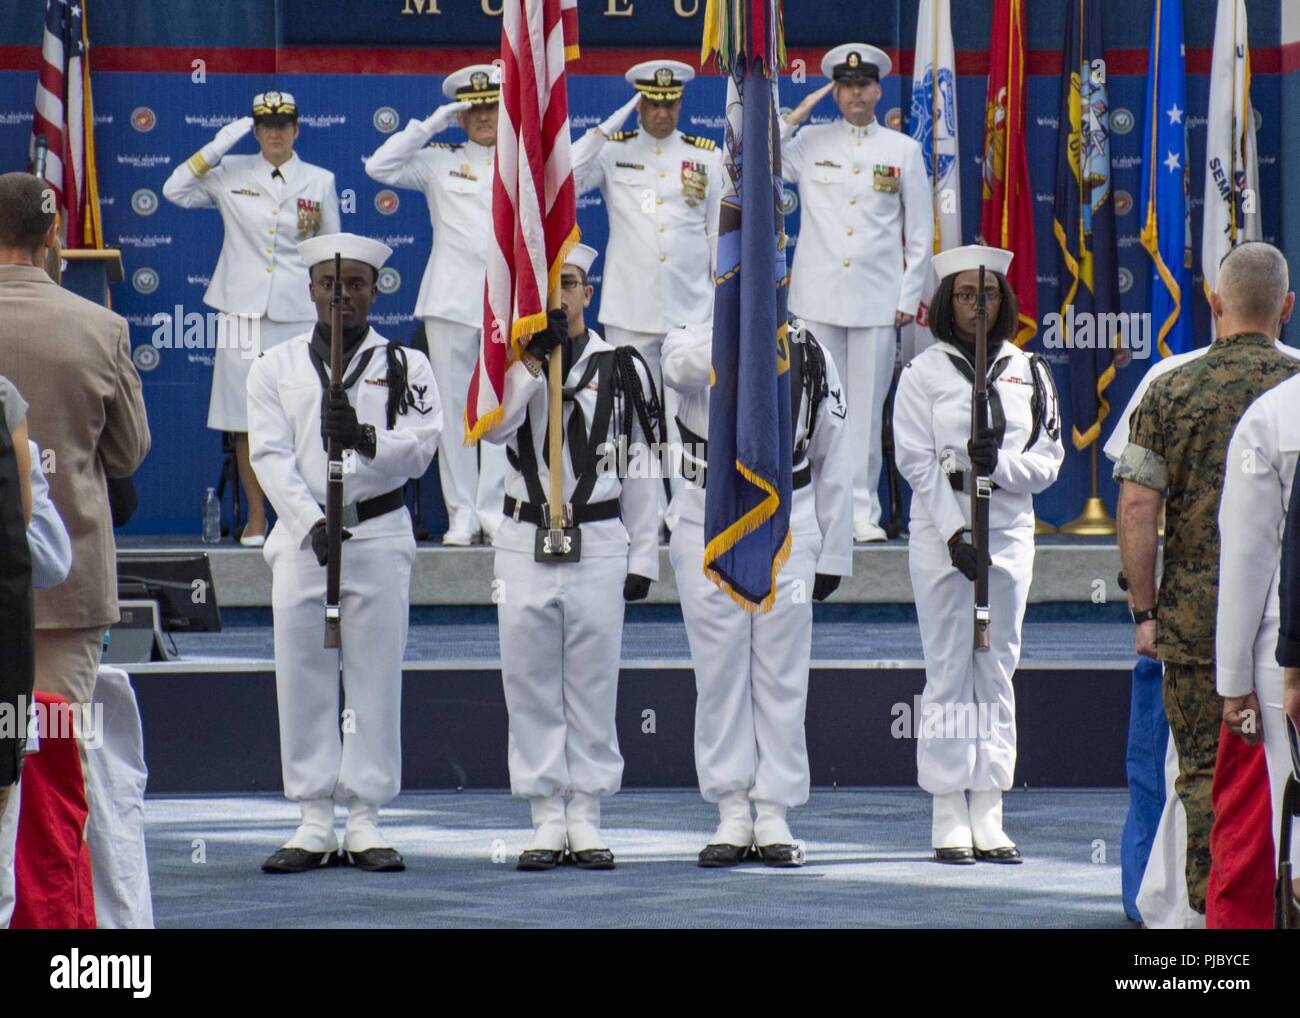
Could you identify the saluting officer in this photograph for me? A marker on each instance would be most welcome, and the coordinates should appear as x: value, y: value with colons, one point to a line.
x: 269, y: 203
x: 751, y: 670
x: 966, y: 747
x: 863, y: 251
x: 387, y: 416
x: 561, y: 623
x: 456, y: 179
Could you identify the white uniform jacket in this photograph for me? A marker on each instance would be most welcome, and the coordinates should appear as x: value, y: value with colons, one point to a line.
x: 1257, y: 483
x: 457, y: 183
x: 636, y: 535
x: 663, y: 197
x: 260, y: 271
x: 823, y: 508
x: 932, y: 412
x: 284, y: 397
x: 866, y: 227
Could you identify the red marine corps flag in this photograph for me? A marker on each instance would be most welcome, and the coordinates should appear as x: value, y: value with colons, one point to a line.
x: 534, y: 206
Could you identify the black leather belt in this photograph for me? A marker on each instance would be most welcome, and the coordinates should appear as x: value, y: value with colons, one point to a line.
x: 589, y: 512
x: 958, y: 481
x: 800, y: 479
x: 359, y: 512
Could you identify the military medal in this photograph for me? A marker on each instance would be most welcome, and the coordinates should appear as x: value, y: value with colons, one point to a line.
x: 695, y: 181
x: 887, y: 178
x: 309, y: 213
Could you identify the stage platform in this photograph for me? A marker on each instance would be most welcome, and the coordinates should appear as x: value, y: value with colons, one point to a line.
x: 867, y: 849
x: 1066, y: 569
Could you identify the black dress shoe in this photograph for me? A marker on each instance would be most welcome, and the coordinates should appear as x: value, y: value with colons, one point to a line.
x: 539, y: 859
x: 1009, y: 856
x: 298, y: 860
x: 784, y: 856
x: 592, y: 859
x: 376, y: 860
x: 955, y: 856
x: 721, y: 855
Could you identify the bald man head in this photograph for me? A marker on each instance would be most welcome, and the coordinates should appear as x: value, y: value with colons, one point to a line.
x: 1253, y: 291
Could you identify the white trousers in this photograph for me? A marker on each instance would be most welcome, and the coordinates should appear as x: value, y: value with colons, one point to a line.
x: 751, y: 676
x: 561, y: 629
x: 650, y: 346
x: 351, y: 749
x: 472, y: 477
x: 1162, y: 894
x: 1270, y: 682
x: 967, y: 728
x: 8, y: 854
x: 865, y: 360
x: 240, y: 340
x: 115, y: 786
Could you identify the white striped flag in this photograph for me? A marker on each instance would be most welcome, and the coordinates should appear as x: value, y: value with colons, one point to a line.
x: 534, y: 204
x: 64, y: 117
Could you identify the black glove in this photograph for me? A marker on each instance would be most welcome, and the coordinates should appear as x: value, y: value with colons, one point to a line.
x: 824, y: 586
x: 963, y: 556
x: 983, y: 451
x: 320, y: 542
x: 338, y: 419
x: 635, y: 588
x: 555, y: 334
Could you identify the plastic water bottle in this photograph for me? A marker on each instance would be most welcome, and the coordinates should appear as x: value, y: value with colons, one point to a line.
x: 211, y: 518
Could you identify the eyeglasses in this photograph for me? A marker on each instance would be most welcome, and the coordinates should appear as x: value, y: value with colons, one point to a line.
x: 970, y: 296
x: 570, y: 283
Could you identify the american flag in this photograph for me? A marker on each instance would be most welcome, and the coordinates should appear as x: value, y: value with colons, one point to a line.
x: 64, y: 118
x: 534, y: 205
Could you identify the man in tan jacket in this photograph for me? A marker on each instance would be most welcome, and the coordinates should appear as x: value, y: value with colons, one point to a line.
x: 71, y: 360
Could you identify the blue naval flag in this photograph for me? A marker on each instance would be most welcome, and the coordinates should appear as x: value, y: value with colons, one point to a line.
x: 1166, y: 181
x: 748, y: 499
x: 1084, y: 218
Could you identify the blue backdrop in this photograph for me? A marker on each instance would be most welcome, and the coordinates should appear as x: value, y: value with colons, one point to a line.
x: 149, y: 119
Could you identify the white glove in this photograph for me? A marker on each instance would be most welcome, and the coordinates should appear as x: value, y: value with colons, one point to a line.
x: 616, y: 119
x: 230, y: 135
x: 443, y: 117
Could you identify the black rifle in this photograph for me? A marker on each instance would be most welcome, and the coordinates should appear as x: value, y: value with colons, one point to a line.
x: 981, y: 488
x: 334, y: 476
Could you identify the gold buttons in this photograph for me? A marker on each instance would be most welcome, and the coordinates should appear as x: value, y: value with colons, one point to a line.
x: 661, y: 227
x: 857, y: 170
x: 662, y: 174
x: 845, y: 263
x: 270, y: 250
x: 849, y: 231
x: 268, y: 268
x: 275, y: 212
x: 853, y: 201
x: 663, y: 258
x: 659, y: 201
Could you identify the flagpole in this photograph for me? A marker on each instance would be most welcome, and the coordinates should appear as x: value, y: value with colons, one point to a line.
x: 1095, y: 520
x: 554, y: 434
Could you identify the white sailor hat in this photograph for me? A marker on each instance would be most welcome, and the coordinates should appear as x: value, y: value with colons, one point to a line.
x: 274, y: 108
x: 581, y: 257
x: 856, y: 62
x: 478, y: 84
x: 323, y: 247
x: 972, y: 256
x: 660, y: 79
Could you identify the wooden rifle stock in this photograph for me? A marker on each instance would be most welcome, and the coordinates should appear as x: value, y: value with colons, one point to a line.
x: 334, y: 476
x: 981, y: 488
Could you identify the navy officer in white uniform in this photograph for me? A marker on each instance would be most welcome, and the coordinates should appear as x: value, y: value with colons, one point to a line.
x: 456, y: 180
x: 865, y: 237
x: 561, y: 623
x: 966, y: 748
x: 269, y: 203
x: 751, y: 669
x: 387, y: 416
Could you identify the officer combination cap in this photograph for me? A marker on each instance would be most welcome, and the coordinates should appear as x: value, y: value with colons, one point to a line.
x: 972, y: 256
x: 478, y: 85
x: 581, y: 257
x: 856, y: 63
x: 662, y: 80
x: 274, y: 108
x: 349, y: 245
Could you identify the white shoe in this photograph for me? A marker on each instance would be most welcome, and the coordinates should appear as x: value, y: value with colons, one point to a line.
x: 986, y: 820
x: 248, y: 540
x: 316, y: 832
x: 735, y: 825
x: 548, y: 823
x: 363, y: 831
x: 865, y: 533
x: 458, y: 538
x: 770, y: 827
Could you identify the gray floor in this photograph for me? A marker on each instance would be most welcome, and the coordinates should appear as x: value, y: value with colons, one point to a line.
x: 868, y: 865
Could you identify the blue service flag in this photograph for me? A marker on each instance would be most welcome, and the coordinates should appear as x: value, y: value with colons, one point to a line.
x: 1166, y: 181
x: 1084, y: 218
x: 747, y: 504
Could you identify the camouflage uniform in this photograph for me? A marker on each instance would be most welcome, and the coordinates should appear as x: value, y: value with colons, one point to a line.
x: 1178, y: 444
